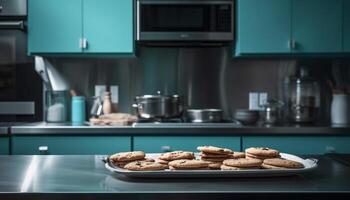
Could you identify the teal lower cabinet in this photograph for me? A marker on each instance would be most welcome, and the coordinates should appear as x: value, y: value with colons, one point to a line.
x: 189, y: 143
x: 4, y: 145
x: 300, y: 144
x: 69, y: 145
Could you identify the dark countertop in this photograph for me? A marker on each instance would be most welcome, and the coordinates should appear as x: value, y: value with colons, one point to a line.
x: 46, y: 177
x: 176, y: 129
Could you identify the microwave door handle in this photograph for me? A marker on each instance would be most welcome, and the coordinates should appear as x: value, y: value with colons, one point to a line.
x: 12, y: 25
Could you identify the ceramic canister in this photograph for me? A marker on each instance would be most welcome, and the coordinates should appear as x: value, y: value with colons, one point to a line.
x: 340, y: 109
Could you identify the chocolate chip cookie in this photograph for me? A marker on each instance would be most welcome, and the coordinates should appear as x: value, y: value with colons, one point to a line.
x: 214, y: 150
x: 177, y: 155
x: 188, y: 164
x: 243, y: 163
x: 128, y: 156
x: 145, y: 166
x: 279, y: 162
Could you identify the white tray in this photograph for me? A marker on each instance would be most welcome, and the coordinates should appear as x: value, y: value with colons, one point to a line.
x: 310, y: 165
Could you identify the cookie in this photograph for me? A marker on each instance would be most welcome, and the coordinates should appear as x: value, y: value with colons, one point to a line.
x: 173, y: 168
x: 176, y: 155
x: 243, y: 162
x: 236, y: 155
x: 213, y: 159
x: 262, y: 151
x: 266, y: 166
x: 279, y: 162
x: 121, y: 164
x: 188, y: 164
x: 164, y: 162
x: 226, y: 167
x: 215, y: 165
x: 145, y: 166
x: 205, y: 155
x: 214, y: 150
x: 127, y: 156
x: 259, y: 157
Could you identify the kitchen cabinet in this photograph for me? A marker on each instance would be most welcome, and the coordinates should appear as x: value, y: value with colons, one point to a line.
x: 263, y: 26
x: 317, y: 26
x: 4, y: 145
x: 300, y: 144
x: 80, y: 26
x: 54, y: 26
x: 289, y: 27
x: 69, y: 145
x: 154, y: 144
x: 346, y: 29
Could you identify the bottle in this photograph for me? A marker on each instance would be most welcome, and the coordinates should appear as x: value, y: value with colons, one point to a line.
x: 107, y: 103
x: 78, y: 110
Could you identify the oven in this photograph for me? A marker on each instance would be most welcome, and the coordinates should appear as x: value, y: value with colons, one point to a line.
x: 20, y: 86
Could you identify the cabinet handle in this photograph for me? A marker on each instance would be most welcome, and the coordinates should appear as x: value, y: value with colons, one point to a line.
x: 85, y: 43
x: 291, y: 44
x: 44, y: 150
x: 165, y: 148
x: 81, y: 43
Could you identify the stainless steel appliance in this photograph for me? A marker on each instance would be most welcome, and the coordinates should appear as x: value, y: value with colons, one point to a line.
x: 20, y: 86
x: 185, y: 20
x: 158, y: 106
x: 204, y: 115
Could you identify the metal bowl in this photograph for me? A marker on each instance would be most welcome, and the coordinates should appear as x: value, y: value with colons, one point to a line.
x: 204, y: 115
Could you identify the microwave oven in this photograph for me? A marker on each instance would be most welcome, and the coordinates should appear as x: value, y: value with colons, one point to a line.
x: 185, y: 20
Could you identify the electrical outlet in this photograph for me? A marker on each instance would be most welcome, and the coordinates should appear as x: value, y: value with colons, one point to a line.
x: 100, y: 90
x: 253, y: 101
x: 114, y: 93
x: 262, y: 100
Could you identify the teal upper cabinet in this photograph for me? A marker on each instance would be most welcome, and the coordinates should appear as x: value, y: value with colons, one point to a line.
x: 54, y: 26
x: 80, y: 26
x: 108, y: 26
x: 346, y: 33
x: 263, y: 26
x: 290, y: 26
x: 317, y: 26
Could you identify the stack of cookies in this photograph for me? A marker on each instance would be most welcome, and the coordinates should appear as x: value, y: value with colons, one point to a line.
x: 214, y: 155
x: 123, y: 158
x: 136, y: 161
x: 261, y: 153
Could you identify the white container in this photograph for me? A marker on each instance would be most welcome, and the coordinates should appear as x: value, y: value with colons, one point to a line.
x: 340, y: 109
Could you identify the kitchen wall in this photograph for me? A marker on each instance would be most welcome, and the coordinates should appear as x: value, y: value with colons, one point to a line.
x: 207, y: 77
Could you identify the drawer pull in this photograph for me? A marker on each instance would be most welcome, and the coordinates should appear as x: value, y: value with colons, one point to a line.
x: 165, y: 148
x: 43, y: 149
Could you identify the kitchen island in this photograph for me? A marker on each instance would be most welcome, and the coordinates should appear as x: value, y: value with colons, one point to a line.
x: 85, y: 177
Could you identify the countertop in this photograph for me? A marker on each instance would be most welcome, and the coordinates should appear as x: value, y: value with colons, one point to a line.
x: 178, y: 129
x: 60, y: 177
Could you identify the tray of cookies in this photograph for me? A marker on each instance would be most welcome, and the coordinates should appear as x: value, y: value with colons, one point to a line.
x: 210, y: 161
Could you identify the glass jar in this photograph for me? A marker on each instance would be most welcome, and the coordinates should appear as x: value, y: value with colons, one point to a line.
x: 302, y: 96
x: 56, y: 106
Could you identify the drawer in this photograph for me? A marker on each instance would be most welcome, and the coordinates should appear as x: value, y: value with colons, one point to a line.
x: 300, y: 144
x: 171, y: 143
x: 69, y: 145
x: 4, y: 145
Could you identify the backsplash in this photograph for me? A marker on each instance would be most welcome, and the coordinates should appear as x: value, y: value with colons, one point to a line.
x: 207, y: 77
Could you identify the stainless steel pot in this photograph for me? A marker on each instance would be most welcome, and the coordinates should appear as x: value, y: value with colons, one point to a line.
x: 158, y: 106
x: 204, y: 115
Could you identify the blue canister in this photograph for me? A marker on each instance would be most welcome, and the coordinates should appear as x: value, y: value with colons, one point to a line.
x: 78, y: 110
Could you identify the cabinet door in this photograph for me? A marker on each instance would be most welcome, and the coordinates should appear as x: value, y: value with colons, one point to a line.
x: 171, y: 143
x: 317, y: 26
x: 263, y: 26
x: 69, y: 145
x: 55, y: 26
x: 300, y: 144
x: 4, y: 145
x: 346, y: 33
x: 108, y: 26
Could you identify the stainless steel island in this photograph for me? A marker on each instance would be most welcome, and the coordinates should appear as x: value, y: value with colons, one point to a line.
x: 85, y: 177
